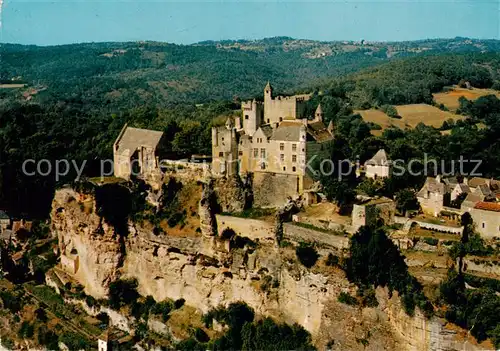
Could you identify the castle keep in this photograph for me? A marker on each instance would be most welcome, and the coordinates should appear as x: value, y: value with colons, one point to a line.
x: 274, y: 142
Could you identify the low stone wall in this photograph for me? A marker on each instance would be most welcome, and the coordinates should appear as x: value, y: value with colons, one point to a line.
x: 297, y: 233
x: 322, y: 223
x: 246, y: 227
x: 474, y: 264
x: 440, y: 228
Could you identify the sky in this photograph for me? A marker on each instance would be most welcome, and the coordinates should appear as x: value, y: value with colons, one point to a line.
x: 57, y: 22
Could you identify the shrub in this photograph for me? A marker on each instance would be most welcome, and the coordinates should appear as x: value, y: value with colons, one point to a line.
x: 307, y: 255
x: 179, y: 303
x: 200, y: 335
x: 163, y: 308
x: 26, y: 330
x: 431, y: 241
x: 332, y: 260
x: 347, y: 299
x: 122, y: 292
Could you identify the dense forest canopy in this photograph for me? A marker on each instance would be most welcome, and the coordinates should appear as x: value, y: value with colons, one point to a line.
x: 79, y: 96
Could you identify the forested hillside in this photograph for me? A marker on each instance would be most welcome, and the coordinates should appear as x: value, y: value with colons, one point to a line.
x: 107, y: 76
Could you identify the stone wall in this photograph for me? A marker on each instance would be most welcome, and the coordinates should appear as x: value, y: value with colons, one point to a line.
x: 297, y: 233
x: 481, y: 265
x: 273, y: 190
x: 251, y: 228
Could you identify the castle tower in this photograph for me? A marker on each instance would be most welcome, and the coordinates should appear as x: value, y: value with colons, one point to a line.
x: 225, y: 149
x: 253, y: 115
x: 268, y: 91
x: 318, y: 115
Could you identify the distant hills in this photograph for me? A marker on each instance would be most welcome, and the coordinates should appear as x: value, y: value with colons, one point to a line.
x: 113, y: 76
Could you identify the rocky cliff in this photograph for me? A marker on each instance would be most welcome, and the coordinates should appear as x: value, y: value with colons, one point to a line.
x: 207, y: 270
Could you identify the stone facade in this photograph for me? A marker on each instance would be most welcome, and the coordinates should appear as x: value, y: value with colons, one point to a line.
x: 486, y: 217
x: 432, y: 196
x: 370, y: 212
x: 379, y: 166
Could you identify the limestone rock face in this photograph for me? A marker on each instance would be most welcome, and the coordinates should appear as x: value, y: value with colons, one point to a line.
x: 268, y: 278
x: 90, y: 250
x: 233, y: 193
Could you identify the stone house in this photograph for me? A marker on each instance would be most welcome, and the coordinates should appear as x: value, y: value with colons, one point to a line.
x: 371, y: 211
x: 4, y: 221
x: 379, y: 166
x: 432, y: 196
x: 137, y: 152
x: 479, y: 194
x: 457, y: 189
x: 114, y: 339
x: 486, y: 217
x: 274, y: 146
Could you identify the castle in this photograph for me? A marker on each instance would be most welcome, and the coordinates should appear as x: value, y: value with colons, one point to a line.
x: 274, y: 141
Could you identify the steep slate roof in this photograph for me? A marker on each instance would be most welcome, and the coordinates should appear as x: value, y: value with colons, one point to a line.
x: 473, y: 197
x: 319, y: 131
x: 133, y: 138
x: 433, y: 186
x: 483, y: 190
x: 380, y: 159
x: 488, y: 206
x: 4, y: 215
x: 319, y: 110
x: 287, y: 131
x: 267, y: 130
x: 464, y: 188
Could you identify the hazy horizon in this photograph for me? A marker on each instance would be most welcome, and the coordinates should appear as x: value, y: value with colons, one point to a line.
x: 60, y: 22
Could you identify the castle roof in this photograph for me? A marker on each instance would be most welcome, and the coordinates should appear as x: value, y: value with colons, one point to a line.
x: 133, y: 138
x: 268, y: 86
x: 380, y: 159
x: 287, y: 131
x: 488, y: 206
x: 319, y: 131
x: 319, y: 110
x: 267, y: 130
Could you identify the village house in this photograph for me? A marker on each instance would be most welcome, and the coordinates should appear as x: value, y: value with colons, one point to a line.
x: 486, y: 217
x: 432, y: 196
x: 379, y: 166
x: 137, y: 152
x: 274, y: 143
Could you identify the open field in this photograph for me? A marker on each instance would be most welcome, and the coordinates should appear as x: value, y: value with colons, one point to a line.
x: 411, y: 115
x: 450, y: 98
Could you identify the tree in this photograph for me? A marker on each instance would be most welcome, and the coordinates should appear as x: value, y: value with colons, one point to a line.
x: 307, y: 254
x: 406, y: 200
x: 122, y: 292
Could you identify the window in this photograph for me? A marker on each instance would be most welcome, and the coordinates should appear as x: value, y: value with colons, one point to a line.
x: 262, y: 153
x: 222, y: 138
x: 240, y: 153
x: 262, y: 165
x: 282, y: 146
x: 281, y: 119
x: 303, y: 150
x: 294, y: 158
x: 282, y: 157
x: 246, y: 116
x: 284, y: 169
x: 483, y: 225
x: 255, y: 153
x: 294, y: 147
x: 294, y: 169
x: 221, y: 154
x: 268, y: 121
